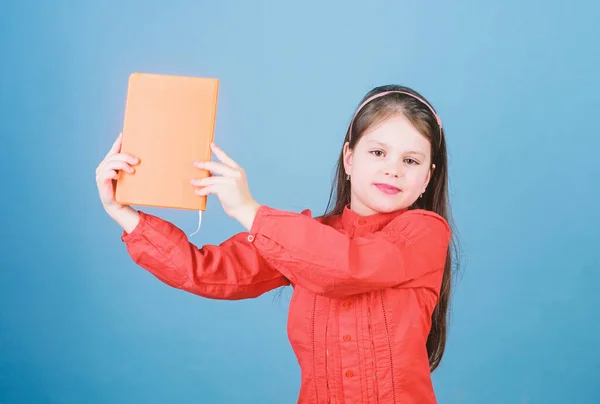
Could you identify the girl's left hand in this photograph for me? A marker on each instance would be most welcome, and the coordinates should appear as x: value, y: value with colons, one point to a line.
x: 231, y: 186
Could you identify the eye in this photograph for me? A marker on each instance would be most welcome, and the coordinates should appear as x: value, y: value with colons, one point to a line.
x: 377, y: 153
x: 411, y: 161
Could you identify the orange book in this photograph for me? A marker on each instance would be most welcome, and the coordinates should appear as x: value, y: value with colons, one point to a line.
x: 169, y: 123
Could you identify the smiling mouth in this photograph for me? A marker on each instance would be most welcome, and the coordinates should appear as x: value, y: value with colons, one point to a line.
x: 387, y: 189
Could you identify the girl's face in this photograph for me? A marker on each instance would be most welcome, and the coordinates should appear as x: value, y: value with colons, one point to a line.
x: 389, y: 167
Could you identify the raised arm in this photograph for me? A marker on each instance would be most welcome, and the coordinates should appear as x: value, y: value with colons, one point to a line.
x: 232, y: 270
x: 411, y: 249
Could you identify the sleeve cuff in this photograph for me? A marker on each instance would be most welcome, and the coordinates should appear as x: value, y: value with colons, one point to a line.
x: 266, y: 220
x: 259, y: 219
x: 137, y: 231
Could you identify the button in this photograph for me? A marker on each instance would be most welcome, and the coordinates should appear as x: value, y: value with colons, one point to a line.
x: 349, y: 373
x: 347, y: 304
x: 347, y: 338
x: 362, y: 221
x: 251, y: 238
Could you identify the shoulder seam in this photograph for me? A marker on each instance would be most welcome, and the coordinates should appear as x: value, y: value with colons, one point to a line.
x: 425, y: 212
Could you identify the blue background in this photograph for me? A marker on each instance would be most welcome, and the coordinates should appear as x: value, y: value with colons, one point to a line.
x: 516, y: 84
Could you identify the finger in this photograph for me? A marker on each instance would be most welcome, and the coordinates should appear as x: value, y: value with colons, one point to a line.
x: 112, y: 164
x: 206, y: 190
x: 117, y: 144
x: 217, y: 168
x: 117, y: 157
x: 113, y: 175
x: 118, y: 165
x: 223, y: 156
x: 203, y: 182
x: 108, y: 175
x: 123, y: 157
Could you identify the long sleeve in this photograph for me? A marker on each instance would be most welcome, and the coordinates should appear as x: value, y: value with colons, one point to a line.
x: 232, y: 270
x: 328, y: 262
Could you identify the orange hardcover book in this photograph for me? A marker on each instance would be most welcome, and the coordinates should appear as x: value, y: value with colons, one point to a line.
x: 169, y: 123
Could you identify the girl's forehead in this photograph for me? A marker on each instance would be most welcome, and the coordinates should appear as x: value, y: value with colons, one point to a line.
x: 397, y: 134
x: 397, y: 126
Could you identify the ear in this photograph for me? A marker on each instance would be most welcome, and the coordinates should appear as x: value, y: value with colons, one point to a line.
x: 429, y: 174
x: 347, y: 158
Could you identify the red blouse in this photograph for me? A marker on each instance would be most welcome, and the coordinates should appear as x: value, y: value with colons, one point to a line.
x: 364, y: 291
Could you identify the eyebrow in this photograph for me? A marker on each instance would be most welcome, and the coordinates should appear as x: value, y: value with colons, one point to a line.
x: 408, y: 152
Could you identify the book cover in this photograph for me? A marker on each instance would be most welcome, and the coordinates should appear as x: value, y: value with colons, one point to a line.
x: 169, y: 123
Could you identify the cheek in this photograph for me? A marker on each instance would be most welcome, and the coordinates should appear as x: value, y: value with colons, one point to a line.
x: 361, y: 177
x: 416, y: 179
x: 362, y: 168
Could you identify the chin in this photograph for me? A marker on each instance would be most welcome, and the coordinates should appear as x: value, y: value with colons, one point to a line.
x: 387, y: 206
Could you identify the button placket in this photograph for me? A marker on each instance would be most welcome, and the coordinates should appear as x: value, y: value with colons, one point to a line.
x: 348, y: 350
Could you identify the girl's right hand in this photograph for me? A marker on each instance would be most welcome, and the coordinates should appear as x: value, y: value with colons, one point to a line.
x: 107, y: 173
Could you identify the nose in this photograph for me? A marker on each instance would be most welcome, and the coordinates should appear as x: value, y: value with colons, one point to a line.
x: 393, y: 169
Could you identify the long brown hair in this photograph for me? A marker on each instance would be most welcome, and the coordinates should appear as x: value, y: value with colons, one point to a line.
x: 435, y: 198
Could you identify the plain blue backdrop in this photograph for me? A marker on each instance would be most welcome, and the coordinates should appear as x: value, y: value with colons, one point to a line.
x: 516, y: 84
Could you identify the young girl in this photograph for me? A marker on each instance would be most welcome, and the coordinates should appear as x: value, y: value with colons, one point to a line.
x: 371, y: 278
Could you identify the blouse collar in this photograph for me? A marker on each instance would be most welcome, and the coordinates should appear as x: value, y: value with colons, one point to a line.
x: 351, y: 219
